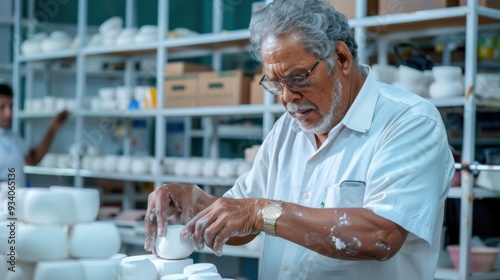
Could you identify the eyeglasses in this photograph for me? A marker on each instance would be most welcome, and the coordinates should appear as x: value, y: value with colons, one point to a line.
x: 295, y: 83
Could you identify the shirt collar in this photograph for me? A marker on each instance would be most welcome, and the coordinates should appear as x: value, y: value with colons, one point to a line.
x: 359, y: 117
x: 365, y: 102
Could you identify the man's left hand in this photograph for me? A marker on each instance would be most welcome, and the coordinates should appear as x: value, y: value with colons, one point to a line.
x: 59, y: 120
x: 223, y: 219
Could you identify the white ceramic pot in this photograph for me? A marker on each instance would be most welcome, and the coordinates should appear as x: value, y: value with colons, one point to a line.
x: 410, y: 75
x: 138, y: 267
x: 205, y: 276
x: 24, y: 271
x: 124, y: 164
x: 110, y: 25
x: 144, y: 38
x: 150, y: 30
x: 167, y: 267
x: 227, y: 169
x: 86, y: 202
x: 100, y: 269
x: 107, y: 93
x: 41, y: 242
x: 169, y: 165
x: 178, y: 276
x: 200, y: 268
x: 94, y: 240
x: 446, y: 89
x: 95, y: 41
x: 123, y: 93
x: 209, y: 168
x: 44, y: 207
x: 110, y: 163
x: 172, y: 246
x: 31, y: 47
x: 59, y: 270
x: 447, y: 73
x: 194, y: 167
x: 141, y: 165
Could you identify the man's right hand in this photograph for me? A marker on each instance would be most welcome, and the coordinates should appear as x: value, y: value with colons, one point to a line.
x: 180, y: 200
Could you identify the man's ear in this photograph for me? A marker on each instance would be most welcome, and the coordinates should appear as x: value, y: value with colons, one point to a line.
x: 344, y: 58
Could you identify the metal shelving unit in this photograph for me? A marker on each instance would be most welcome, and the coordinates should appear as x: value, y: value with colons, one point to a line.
x: 217, y: 43
x: 468, y: 17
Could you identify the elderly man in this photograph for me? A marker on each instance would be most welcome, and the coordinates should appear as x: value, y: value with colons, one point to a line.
x: 349, y: 184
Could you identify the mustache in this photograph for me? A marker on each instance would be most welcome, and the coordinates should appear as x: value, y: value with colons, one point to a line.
x: 294, y: 107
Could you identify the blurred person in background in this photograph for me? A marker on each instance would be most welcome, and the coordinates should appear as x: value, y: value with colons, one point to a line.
x: 13, y: 151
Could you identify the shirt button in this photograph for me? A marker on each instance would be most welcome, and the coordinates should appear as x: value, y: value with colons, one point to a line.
x: 285, y: 268
x: 305, y: 195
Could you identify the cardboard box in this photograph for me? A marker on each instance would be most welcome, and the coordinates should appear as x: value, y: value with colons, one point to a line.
x: 409, y: 6
x: 223, y: 88
x: 348, y: 8
x: 181, y: 68
x: 180, y: 91
x: 495, y: 4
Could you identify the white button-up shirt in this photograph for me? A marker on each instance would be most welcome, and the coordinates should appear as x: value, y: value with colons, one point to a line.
x: 389, y: 154
x: 12, y: 152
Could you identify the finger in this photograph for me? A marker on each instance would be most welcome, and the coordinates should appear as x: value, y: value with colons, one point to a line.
x: 220, y: 240
x: 150, y: 224
x: 162, y: 206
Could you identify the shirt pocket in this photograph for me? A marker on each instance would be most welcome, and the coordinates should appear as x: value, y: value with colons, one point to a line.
x: 347, y: 194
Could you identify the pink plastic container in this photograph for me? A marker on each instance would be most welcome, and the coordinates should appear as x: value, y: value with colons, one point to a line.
x: 482, y: 259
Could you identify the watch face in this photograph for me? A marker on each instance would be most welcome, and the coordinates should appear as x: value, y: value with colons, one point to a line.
x: 271, y: 212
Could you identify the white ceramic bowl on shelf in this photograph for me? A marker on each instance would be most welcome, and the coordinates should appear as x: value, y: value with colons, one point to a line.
x: 447, y: 73
x: 110, y: 25
x: 446, y: 89
x: 408, y: 75
x: 178, y: 276
x: 205, y: 276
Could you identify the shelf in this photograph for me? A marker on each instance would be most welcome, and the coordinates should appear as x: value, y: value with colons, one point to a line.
x: 436, y: 18
x: 51, y: 171
x: 211, y: 41
x: 452, y: 274
x: 479, y: 193
x: 121, y: 114
x: 233, y: 132
x: 39, y: 170
x: 65, y: 54
x: 35, y: 115
x: 214, y: 111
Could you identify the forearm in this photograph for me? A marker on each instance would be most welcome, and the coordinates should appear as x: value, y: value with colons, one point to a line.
x: 36, y: 154
x: 343, y: 233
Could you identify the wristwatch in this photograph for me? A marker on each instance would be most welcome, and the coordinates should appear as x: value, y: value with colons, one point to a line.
x: 271, y: 214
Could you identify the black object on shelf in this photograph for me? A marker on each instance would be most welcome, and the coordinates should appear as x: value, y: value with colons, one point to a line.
x: 416, y: 58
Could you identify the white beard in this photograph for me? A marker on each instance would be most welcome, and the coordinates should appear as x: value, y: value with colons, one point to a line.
x: 326, y: 120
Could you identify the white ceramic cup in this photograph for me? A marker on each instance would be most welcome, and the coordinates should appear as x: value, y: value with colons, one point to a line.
x: 86, y: 202
x: 99, y: 269
x: 178, y: 276
x: 24, y: 271
x: 172, y: 246
x: 200, y: 268
x: 205, y: 276
x: 167, y: 267
x: 94, y: 240
x: 42, y: 206
x: 137, y: 267
x: 41, y: 242
x: 59, y: 270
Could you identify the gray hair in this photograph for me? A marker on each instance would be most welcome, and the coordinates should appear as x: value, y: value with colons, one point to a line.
x: 316, y: 23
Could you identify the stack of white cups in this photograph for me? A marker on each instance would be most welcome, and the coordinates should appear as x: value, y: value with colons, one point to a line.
x: 58, y: 238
